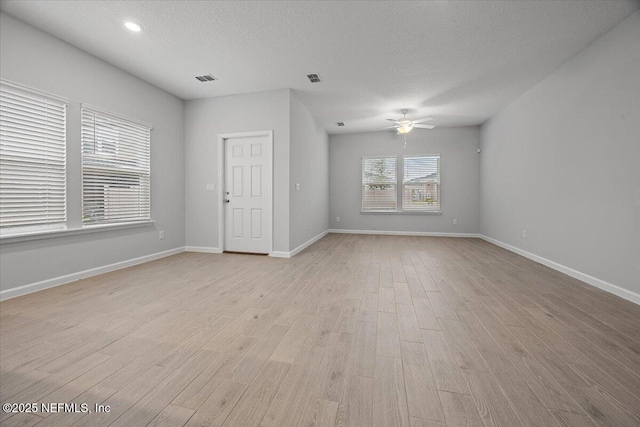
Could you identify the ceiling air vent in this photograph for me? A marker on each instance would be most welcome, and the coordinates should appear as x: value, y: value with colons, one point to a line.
x: 206, y: 78
x: 314, y: 78
x: 340, y: 123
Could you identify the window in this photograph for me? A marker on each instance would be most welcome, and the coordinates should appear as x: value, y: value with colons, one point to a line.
x: 116, y: 168
x: 418, y: 176
x: 32, y: 160
x: 379, y: 184
x: 421, y: 183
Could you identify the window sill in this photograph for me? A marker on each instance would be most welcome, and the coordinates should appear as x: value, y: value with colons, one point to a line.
x: 403, y: 212
x: 48, y: 234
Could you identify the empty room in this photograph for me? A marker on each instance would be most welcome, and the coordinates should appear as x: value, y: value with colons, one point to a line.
x: 320, y: 213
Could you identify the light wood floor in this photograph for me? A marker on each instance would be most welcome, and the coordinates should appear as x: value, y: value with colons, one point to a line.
x: 355, y: 331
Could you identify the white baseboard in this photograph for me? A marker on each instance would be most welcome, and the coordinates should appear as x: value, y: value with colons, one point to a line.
x: 593, y: 281
x: 61, y: 280
x: 57, y: 281
x: 296, y: 251
x: 205, y: 249
x: 308, y: 243
x: 280, y: 254
x: 404, y: 233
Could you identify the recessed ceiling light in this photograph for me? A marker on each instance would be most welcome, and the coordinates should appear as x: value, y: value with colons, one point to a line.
x: 136, y: 28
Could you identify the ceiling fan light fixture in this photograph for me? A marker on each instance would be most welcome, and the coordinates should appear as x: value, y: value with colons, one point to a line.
x: 405, y: 128
x: 405, y: 125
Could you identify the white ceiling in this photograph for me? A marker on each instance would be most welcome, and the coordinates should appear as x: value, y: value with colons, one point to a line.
x: 457, y: 61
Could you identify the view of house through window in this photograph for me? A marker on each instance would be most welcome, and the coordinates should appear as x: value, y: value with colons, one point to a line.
x: 421, y: 183
x: 116, y: 162
x: 419, y: 177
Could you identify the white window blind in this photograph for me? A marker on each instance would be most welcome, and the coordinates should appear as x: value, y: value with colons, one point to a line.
x: 421, y: 183
x: 32, y: 159
x: 379, y: 183
x: 116, y: 168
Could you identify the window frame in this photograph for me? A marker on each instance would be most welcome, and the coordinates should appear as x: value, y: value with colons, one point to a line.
x: 400, y: 186
x: 382, y: 156
x: 124, y: 221
x: 45, y: 227
x: 401, y: 198
x: 71, y: 226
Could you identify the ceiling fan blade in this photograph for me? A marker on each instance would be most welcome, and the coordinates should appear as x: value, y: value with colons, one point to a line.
x: 424, y: 119
x: 424, y: 126
x: 394, y: 120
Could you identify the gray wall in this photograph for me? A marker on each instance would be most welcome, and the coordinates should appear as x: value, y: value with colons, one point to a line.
x: 204, y: 120
x: 34, y: 58
x: 460, y: 173
x: 309, y: 213
x: 563, y: 162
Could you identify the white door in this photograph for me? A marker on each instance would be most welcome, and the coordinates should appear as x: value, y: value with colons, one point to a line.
x: 247, y: 194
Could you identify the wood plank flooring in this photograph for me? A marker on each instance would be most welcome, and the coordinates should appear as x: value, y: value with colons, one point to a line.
x: 358, y: 330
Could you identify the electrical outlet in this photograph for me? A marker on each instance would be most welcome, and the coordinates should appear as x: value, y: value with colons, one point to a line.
x: 524, y: 234
x: 455, y: 222
x: 161, y: 234
x: 297, y: 186
x: 211, y: 187
x: 337, y: 219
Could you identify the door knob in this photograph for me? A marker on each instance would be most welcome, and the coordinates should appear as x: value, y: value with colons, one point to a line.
x: 227, y: 200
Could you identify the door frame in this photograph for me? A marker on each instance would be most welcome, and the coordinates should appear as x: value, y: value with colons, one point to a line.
x: 221, y: 181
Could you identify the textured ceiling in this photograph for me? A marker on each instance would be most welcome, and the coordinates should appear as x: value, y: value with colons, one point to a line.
x: 457, y: 61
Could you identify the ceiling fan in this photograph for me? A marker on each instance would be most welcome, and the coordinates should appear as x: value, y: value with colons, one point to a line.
x: 404, y: 125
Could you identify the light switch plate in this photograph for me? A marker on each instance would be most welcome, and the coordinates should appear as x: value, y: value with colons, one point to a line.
x: 211, y: 187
